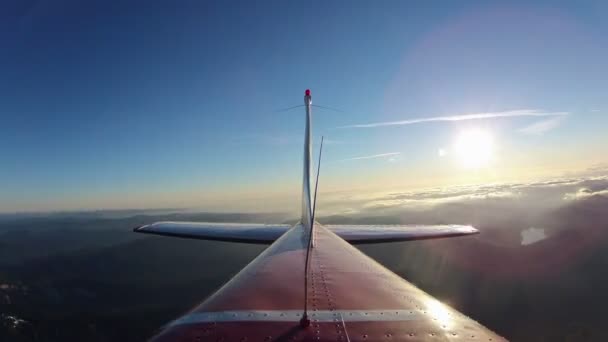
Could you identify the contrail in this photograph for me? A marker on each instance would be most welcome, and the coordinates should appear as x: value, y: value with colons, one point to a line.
x: 372, y: 156
x: 477, y: 116
x: 542, y: 127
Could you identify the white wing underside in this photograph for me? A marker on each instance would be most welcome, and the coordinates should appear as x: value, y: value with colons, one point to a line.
x: 267, y: 233
x: 358, y: 234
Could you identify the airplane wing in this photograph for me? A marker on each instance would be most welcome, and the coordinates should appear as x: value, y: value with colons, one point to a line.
x: 268, y: 233
x: 350, y: 297
x: 360, y: 234
x: 232, y: 232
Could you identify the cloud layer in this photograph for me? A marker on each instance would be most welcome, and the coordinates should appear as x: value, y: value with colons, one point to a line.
x: 436, y: 204
x: 529, y: 230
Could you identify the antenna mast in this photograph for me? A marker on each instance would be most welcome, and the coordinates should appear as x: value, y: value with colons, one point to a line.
x: 305, y: 321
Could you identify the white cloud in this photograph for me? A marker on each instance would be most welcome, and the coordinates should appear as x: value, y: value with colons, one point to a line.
x: 532, y: 235
x: 475, y: 116
x: 584, y: 193
x: 541, y: 127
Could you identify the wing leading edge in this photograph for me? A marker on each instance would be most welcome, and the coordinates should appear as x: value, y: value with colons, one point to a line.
x: 231, y: 232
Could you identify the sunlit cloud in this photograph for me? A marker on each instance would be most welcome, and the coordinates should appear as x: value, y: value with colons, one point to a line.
x: 516, y: 197
x: 422, y: 200
x: 464, y: 117
x: 374, y: 156
x: 582, y: 193
x: 541, y: 127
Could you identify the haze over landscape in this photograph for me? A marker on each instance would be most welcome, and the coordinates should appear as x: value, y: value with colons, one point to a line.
x: 121, y: 114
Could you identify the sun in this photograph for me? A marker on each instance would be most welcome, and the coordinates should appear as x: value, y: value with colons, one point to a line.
x: 474, y: 148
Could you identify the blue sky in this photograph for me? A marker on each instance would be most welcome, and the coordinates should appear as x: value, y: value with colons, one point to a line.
x: 110, y: 105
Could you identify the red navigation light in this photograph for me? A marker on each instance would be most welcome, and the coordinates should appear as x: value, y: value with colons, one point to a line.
x: 307, y: 92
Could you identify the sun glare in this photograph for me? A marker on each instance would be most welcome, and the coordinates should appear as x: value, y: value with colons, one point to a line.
x: 439, y: 312
x: 474, y: 148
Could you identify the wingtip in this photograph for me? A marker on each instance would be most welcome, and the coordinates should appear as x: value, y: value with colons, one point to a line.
x: 473, y: 230
x: 138, y: 229
x: 465, y: 229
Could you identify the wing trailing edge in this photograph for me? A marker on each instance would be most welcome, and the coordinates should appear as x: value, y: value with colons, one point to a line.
x: 232, y: 232
x: 360, y: 234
